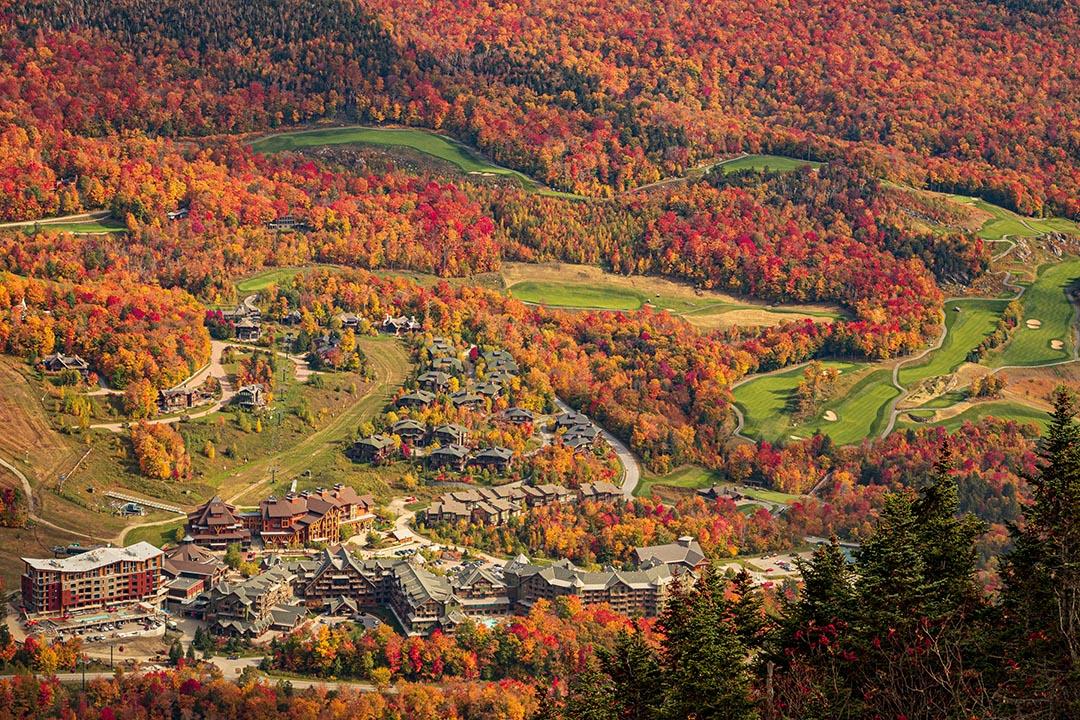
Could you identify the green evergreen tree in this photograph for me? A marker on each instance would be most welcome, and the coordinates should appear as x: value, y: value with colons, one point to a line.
x: 590, y: 695
x: 176, y: 653
x: 1041, y: 574
x: 190, y: 652
x: 634, y: 668
x: 704, y: 659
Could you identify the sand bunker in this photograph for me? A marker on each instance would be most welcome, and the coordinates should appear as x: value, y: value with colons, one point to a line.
x: 1057, y: 345
x: 1034, y: 324
x: 830, y: 416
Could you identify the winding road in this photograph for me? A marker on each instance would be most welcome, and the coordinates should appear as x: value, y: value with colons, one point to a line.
x: 630, y: 464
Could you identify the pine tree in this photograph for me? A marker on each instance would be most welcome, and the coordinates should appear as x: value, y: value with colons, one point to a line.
x: 190, y: 653
x: 590, y: 695
x: 634, y: 668
x: 704, y: 658
x: 1041, y: 593
x: 176, y: 653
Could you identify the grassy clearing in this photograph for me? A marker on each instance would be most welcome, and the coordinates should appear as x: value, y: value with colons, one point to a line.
x: 1045, y: 301
x: 1004, y: 222
x: 424, y: 141
x: 157, y: 535
x: 767, y: 162
x: 85, y: 227
x: 1003, y: 409
x: 703, y: 311
x: 263, y: 280
x: 695, y: 476
x: 967, y: 329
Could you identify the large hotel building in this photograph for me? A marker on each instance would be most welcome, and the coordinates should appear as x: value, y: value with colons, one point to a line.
x: 96, y: 579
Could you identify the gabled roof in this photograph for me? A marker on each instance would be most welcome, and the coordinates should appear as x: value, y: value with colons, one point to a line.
x: 379, y: 442
x: 453, y: 451
x: 684, y: 551
x: 494, y: 454
x: 420, y: 586
x: 406, y: 424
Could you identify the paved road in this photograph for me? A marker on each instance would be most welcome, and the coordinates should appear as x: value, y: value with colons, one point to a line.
x: 97, y: 215
x: 631, y: 466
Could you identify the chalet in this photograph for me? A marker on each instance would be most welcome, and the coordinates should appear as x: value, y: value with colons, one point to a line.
x: 439, y: 347
x: 434, y: 381
x: 577, y: 443
x: 465, y: 399
x: 448, y: 365
x: 498, y: 458
x: 216, y: 525
x: 500, y: 377
x: 567, y: 420
x: 349, y: 321
x: 598, y: 492
x: 293, y: 318
x: 374, y: 449
x: 324, y: 347
x: 59, y: 362
x: 683, y: 555
x: 178, y: 214
x: 519, y: 416
x: 489, y: 389
x: 399, y: 325
x: 719, y: 491
x: 182, y: 398
x: 420, y: 398
x: 546, y: 494
x: 499, y: 359
x: 450, y: 434
x: 408, y: 430
x: 447, y: 510
x: 248, y: 329
x: 589, y: 432
x: 251, y: 397
x: 287, y: 222
x: 451, y: 456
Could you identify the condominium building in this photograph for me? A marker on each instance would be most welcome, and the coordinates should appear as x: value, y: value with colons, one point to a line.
x: 101, y: 578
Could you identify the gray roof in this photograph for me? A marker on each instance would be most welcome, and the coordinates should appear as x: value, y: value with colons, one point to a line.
x: 684, y: 551
x: 94, y: 559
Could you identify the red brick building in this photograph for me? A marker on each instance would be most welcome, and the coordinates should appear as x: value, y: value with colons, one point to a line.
x: 97, y: 579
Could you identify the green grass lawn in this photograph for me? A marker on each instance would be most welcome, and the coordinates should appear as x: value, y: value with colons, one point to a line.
x: 83, y: 227
x: 766, y: 162
x: 1044, y: 300
x: 695, y: 476
x: 999, y: 408
x: 577, y: 296
x: 425, y: 141
x: 609, y: 296
x: 688, y: 476
x: 263, y: 280
x: 860, y: 409
x: 156, y: 535
x: 1006, y: 222
x: 967, y: 328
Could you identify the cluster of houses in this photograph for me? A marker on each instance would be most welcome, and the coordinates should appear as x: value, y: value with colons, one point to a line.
x: 448, y: 442
x: 496, y: 505
x: 337, y: 583
x: 295, y: 520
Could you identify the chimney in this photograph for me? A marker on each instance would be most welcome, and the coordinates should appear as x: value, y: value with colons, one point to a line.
x: 685, y: 540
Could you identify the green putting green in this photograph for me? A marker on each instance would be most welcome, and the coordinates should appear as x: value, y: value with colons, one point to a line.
x: 968, y: 322
x: 1048, y: 317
